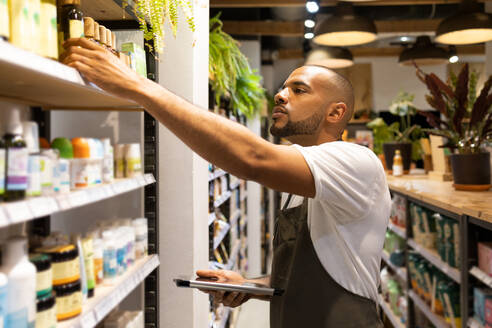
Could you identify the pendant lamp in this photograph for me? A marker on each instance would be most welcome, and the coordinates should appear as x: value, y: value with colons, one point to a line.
x: 330, y: 57
x: 345, y: 28
x: 424, y: 52
x: 470, y: 25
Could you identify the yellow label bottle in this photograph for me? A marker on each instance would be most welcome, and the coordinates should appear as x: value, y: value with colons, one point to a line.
x: 49, y: 33
x: 35, y: 26
x: 76, y: 28
x: 4, y: 20
x: 20, y: 28
x: 397, y: 164
x: 72, y: 19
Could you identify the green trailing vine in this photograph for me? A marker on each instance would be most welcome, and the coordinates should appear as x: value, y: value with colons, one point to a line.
x: 152, y: 14
x: 230, y: 75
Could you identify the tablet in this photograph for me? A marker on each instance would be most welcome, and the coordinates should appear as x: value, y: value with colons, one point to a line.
x: 248, y: 288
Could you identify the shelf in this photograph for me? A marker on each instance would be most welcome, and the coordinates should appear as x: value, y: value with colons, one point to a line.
x: 34, y: 80
x: 235, y: 217
x: 221, y: 236
x: 211, y: 218
x: 109, y: 295
x: 222, y: 199
x: 401, y: 272
x: 482, y: 276
x: 395, y: 320
x: 432, y: 256
x: 473, y: 323
x: 35, y: 207
x: 235, y: 185
x: 233, y: 255
x: 109, y: 9
x: 436, y: 320
x: 398, y: 230
x: 216, y: 174
x: 225, y: 317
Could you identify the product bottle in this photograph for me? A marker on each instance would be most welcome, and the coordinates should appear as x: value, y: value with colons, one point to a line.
x: 20, y: 27
x: 102, y: 36
x: 21, y: 275
x: 98, y: 259
x: 17, y: 158
x: 110, y: 263
x: 2, y: 169
x: 79, y: 177
x: 4, y: 20
x: 113, y: 43
x: 87, y: 247
x: 35, y: 26
x: 108, y: 162
x: 89, y: 28
x: 49, y: 33
x: 109, y: 41
x: 119, y: 161
x: 3, y: 297
x: 97, y: 37
x: 72, y: 20
x: 83, y: 277
x: 397, y: 164
x: 31, y: 136
x: 133, y: 160
x: 65, y: 149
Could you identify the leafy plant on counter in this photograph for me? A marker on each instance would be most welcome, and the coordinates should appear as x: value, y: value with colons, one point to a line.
x: 230, y: 75
x: 467, y: 122
x: 152, y: 15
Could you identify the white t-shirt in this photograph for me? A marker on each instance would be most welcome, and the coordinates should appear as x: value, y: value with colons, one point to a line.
x: 347, y: 218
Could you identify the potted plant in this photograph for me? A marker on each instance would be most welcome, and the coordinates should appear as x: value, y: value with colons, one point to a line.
x: 466, y: 124
x: 402, y: 135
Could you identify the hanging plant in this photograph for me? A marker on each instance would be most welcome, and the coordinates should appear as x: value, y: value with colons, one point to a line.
x: 230, y: 75
x: 152, y: 15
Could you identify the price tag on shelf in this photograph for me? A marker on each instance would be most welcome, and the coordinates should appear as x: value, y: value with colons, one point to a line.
x: 149, y: 178
x: 4, y: 221
x: 63, y: 202
x: 78, y: 198
x: 88, y: 320
x: 133, y: 184
x: 18, y: 211
x: 141, y: 180
x: 118, y: 187
x: 42, y: 206
x: 108, y: 191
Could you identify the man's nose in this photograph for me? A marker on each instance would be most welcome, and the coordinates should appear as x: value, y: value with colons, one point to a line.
x: 280, y: 98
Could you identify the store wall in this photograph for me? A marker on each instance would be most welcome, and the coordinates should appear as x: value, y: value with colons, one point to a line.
x: 252, y: 50
x: 183, y: 201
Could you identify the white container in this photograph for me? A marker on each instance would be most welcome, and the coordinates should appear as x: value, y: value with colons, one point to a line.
x: 31, y: 137
x: 119, y: 161
x: 79, y: 173
x: 21, y: 275
x: 95, y: 162
x: 3, y: 298
x: 49, y: 161
x: 141, y: 237
x: 110, y: 263
x: 133, y: 160
x: 83, y: 276
x: 108, y: 161
x: 62, y: 183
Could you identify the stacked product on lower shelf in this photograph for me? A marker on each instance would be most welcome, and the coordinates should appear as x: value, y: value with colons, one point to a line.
x: 394, y: 245
x: 398, y: 211
x: 31, y: 166
x: 482, y: 294
x: 436, y: 232
x: 392, y: 293
x: 62, y: 273
x: 441, y: 294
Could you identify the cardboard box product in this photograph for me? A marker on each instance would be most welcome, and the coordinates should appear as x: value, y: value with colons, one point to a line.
x: 137, y: 57
x: 485, y: 257
x: 488, y: 312
x: 480, y: 297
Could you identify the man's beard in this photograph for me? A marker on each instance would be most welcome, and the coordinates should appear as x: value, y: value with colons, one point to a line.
x: 308, y: 126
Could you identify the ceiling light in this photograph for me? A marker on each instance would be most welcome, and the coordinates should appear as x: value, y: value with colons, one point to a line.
x: 312, y: 6
x: 404, y: 39
x: 308, y: 35
x: 453, y: 55
x: 345, y: 28
x: 469, y: 25
x: 424, y: 52
x: 309, y: 23
x: 454, y: 59
x: 331, y: 57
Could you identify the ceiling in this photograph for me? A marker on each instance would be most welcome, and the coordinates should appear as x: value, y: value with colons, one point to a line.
x: 279, y: 23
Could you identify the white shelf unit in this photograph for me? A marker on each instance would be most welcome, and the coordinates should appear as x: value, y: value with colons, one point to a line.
x: 436, y: 320
x: 222, y: 199
x: 395, y: 320
x: 398, y: 230
x: 482, y: 276
x: 401, y: 272
x: 432, y: 256
x: 218, y: 239
x: 216, y: 174
x: 109, y: 295
x: 49, y: 84
x: 35, y: 207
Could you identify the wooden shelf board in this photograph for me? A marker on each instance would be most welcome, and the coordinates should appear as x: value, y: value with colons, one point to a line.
x: 436, y: 320
x: 398, y: 230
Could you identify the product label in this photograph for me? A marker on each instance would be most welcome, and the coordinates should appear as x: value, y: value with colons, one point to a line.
x: 4, y: 19
x: 397, y: 170
x: 17, y: 168
x: 108, y: 169
x: 98, y: 270
x: 110, y: 263
x: 2, y: 171
x: 33, y: 176
x: 44, y: 281
x: 65, y: 272
x: 120, y: 168
x: 133, y: 166
x: 46, y: 172
x: 80, y: 174
x: 46, y: 319
x: 76, y: 29
x: 68, y: 306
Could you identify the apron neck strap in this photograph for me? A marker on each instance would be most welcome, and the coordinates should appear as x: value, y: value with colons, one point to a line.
x: 287, y: 202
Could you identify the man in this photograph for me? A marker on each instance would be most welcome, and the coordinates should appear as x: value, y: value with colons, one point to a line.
x: 329, y: 235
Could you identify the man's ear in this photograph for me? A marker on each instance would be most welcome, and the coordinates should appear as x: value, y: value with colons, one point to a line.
x: 336, y: 112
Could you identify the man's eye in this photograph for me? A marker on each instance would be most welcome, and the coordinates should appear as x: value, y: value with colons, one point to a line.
x: 299, y: 90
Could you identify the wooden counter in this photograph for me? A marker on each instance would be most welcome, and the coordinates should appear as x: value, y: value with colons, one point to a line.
x: 443, y: 195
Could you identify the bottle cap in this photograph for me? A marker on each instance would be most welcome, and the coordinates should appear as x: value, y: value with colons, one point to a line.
x: 102, y: 34
x: 89, y: 27
x: 80, y: 148
x: 113, y: 40
x: 64, y: 146
x: 31, y: 136
x: 96, y: 32
x: 109, y: 38
x: 14, y: 126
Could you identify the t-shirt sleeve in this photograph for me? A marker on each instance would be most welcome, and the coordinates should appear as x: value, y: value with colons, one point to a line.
x: 345, y: 177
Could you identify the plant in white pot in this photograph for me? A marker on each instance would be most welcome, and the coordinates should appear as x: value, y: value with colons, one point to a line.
x: 466, y: 124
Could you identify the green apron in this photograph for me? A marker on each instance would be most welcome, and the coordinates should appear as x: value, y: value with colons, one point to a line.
x: 312, y: 299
